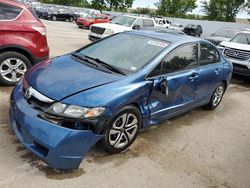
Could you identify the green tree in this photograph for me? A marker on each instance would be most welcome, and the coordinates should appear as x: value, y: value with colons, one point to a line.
x: 175, y: 8
x: 222, y: 10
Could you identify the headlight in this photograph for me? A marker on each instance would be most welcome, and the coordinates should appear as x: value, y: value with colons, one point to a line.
x: 74, y: 111
x: 108, y: 32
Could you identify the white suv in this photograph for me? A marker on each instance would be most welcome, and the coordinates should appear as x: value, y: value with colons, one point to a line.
x: 117, y: 25
x: 237, y: 50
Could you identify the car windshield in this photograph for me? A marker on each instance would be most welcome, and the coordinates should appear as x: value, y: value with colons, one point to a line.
x: 123, y: 20
x: 242, y: 38
x: 124, y: 51
x: 225, y: 33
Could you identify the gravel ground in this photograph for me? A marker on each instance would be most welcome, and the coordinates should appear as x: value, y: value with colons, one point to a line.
x: 198, y: 149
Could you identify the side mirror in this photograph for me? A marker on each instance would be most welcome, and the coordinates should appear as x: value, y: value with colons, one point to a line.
x: 164, y: 86
x: 136, y: 27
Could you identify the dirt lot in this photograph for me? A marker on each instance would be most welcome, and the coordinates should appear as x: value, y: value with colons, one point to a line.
x: 198, y: 149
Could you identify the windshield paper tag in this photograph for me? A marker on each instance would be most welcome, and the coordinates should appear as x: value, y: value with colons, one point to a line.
x: 157, y: 43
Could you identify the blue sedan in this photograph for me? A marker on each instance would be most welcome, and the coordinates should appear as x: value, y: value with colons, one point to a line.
x: 109, y: 90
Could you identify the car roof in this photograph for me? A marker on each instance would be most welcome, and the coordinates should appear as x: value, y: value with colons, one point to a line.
x: 245, y: 32
x: 137, y: 17
x: 166, y: 36
x: 14, y: 3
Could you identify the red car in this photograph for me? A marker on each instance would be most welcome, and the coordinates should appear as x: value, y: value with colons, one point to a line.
x: 92, y: 19
x: 23, y: 41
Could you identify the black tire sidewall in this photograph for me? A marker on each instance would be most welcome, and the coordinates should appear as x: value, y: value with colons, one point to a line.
x: 211, y: 106
x: 105, y: 142
x: 7, y: 55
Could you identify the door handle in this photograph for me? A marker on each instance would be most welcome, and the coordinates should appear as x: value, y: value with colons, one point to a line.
x: 194, y: 76
x: 217, y: 71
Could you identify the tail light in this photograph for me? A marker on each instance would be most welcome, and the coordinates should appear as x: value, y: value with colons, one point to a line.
x: 41, y: 30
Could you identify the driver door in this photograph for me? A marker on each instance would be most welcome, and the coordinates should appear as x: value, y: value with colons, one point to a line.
x: 174, y: 88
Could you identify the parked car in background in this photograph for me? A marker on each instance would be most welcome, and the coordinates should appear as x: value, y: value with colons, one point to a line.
x: 237, y: 51
x: 61, y: 14
x: 119, y: 24
x: 148, y: 76
x: 92, y: 19
x: 82, y: 13
x: 193, y: 30
x: 221, y: 35
x: 23, y: 41
x: 176, y: 26
x: 163, y: 30
x: 162, y: 22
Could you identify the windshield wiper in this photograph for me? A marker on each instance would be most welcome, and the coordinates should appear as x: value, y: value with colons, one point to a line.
x: 83, y: 58
x: 108, y: 66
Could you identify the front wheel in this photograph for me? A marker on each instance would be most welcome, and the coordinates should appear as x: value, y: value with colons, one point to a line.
x: 123, y: 130
x: 71, y: 19
x: 54, y: 18
x: 216, y: 97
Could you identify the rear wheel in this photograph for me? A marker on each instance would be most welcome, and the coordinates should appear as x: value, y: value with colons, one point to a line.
x: 13, y: 65
x: 54, y: 18
x: 71, y: 19
x: 216, y: 97
x: 123, y: 130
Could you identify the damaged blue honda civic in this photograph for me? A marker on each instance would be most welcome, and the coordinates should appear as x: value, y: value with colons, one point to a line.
x: 108, y: 91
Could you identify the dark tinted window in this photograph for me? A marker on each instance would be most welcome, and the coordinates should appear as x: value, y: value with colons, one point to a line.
x: 8, y: 12
x: 182, y: 58
x: 148, y: 23
x: 209, y: 55
x: 155, y: 72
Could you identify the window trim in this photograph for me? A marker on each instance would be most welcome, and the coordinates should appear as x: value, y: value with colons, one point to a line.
x: 16, y: 16
x: 161, y: 62
x: 199, y: 57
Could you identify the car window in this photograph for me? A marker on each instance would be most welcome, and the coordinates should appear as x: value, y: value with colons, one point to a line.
x: 242, y: 38
x: 8, y: 12
x: 139, y: 22
x: 155, y: 72
x: 148, y: 23
x: 126, y: 51
x: 182, y: 58
x: 209, y: 55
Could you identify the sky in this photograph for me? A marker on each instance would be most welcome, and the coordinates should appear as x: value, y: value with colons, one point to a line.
x: 150, y: 4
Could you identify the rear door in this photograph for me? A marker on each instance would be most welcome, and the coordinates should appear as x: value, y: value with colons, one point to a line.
x: 173, y: 89
x: 210, y: 71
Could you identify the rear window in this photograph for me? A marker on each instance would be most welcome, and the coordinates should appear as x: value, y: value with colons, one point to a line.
x: 9, y: 12
x: 148, y: 23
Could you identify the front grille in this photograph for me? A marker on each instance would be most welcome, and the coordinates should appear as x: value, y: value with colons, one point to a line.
x: 97, y: 30
x: 237, y: 66
x: 241, y: 69
x: 237, y: 54
x: 37, y: 104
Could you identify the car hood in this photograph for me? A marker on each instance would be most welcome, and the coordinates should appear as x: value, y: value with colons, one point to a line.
x: 237, y: 46
x: 218, y: 38
x: 114, y: 27
x: 63, y: 76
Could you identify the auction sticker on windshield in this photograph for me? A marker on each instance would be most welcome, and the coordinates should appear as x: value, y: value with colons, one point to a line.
x: 157, y: 43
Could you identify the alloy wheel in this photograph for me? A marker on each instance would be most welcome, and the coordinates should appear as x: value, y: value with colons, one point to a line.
x: 123, y: 130
x: 12, y: 69
x: 218, y: 94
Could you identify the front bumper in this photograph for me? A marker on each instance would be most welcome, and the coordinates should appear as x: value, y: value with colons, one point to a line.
x: 240, y: 67
x: 59, y: 147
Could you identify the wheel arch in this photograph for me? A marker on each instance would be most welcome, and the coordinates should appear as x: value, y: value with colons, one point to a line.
x: 19, y: 49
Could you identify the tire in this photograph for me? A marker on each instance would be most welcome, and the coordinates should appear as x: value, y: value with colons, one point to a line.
x: 53, y: 18
x: 12, y: 66
x: 216, y: 97
x: 120, y: 134
x: 71, y: 19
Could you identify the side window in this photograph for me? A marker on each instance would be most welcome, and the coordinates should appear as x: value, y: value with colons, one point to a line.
x: 155, y: 72
x: 209, y: 54
x: 182, y: 58
x: 148, y: 23
x: 8, y: 12
x: 139, y: 22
